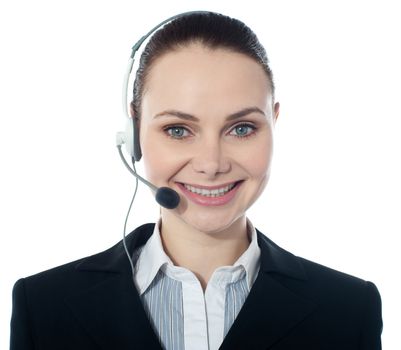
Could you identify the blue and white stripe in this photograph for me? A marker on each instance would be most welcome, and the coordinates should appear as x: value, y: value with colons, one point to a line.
x: 236, y: 294
x: 163, y: 301
x: 164, y: 306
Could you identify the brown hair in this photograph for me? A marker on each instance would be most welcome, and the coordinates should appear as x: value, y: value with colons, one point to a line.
x: 210, y: 29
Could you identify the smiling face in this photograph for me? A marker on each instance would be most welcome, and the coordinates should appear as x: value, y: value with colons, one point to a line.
x: 207, y: 127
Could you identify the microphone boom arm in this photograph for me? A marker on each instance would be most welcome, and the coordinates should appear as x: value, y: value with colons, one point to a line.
x: 153, y: 187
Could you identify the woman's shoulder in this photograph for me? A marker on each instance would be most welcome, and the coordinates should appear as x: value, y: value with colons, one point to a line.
x: 86, y: 271
x: 107, y: 258
x: 337, y: 284
x: 54, y: 281
x: 311, y: 277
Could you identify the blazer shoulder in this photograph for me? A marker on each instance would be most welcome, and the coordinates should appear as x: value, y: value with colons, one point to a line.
x: 49, y: 284
x: 78, y: 273
x: 330, y: 286
x: 348, y: 295
x: 62, y: 271
x: 348, y: 307
x: 324, y: 284
x: 318, y: 273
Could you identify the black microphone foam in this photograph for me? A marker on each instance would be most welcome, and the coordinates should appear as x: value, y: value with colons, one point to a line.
x: 167, y: 197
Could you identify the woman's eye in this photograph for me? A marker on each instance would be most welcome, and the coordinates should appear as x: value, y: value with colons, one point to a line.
x: 180, y: 132
x: 177, y: 132
x: 243, y: 130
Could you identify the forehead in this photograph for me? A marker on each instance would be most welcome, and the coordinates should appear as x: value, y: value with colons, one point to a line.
x: 202, y: 80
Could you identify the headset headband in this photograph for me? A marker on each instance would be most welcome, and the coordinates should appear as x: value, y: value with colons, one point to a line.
x: 135, y: 49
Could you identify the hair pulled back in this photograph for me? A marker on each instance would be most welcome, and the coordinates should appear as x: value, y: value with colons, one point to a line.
x: 210, y: 29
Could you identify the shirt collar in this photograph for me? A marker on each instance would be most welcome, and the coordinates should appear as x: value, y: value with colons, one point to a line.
x: 250, y: 259
x: 152, y: 258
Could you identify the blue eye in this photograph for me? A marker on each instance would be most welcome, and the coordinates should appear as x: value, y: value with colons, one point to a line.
x: 177, y: 132
x: 241, y: 131
x: 244, y: 130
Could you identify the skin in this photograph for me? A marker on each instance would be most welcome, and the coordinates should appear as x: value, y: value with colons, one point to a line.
x: 209, y: 85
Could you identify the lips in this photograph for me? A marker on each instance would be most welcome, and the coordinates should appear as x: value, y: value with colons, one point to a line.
x: 218, y: 191
x: 210, y: 195
x: 210, y: 187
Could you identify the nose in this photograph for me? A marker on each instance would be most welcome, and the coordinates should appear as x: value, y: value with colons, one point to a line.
x: 211, y: 159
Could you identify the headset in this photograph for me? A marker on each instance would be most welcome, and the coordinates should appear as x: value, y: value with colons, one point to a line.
x: 165, y: 196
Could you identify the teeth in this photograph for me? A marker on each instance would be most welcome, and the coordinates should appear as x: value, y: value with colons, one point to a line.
x: 213, y: 193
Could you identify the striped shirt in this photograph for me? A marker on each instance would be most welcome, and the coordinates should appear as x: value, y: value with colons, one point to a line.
x: 182, y: 315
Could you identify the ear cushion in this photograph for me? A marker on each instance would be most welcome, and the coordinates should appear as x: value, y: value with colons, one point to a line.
x: 137, y: 152
x: 131, y: 139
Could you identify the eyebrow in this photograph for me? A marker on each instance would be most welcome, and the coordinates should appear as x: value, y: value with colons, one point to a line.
x: 186, y: 116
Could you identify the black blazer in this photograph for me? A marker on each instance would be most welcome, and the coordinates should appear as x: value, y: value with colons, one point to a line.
x: 294, y: 304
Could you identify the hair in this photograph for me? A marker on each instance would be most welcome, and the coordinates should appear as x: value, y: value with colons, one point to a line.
x: 212, y: 30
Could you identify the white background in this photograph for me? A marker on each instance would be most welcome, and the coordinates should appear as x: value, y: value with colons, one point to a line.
x: 334, y: 194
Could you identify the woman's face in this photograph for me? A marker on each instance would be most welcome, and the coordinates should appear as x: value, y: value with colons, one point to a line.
x: 207, y: 122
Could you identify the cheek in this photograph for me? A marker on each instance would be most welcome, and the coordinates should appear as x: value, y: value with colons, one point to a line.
x: 159, y: 161
x: 256, y: 161
x: 259, y: 169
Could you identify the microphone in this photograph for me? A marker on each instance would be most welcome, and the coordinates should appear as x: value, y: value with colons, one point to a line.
x: 165, y: 196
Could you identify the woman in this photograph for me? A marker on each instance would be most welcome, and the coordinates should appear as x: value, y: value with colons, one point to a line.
x: 204, y: 278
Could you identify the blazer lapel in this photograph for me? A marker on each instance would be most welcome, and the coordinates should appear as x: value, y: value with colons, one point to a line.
x: 110, y: 309
x: 271, y: 309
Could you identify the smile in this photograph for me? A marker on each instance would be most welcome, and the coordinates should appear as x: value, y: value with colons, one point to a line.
x: 210, y: 195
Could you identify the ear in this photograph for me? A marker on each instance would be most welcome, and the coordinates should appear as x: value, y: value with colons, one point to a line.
x: 276, y: 112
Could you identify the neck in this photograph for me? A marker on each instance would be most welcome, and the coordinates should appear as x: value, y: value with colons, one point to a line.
x: 202, y: 252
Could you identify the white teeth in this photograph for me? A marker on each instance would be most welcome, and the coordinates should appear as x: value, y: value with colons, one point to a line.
x: 212, y: 193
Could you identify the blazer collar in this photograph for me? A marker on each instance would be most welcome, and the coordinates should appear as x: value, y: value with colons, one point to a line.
x: 273, y: 258
x: 113, y: 314
x: 276, y: 259
x: 115, y: 259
